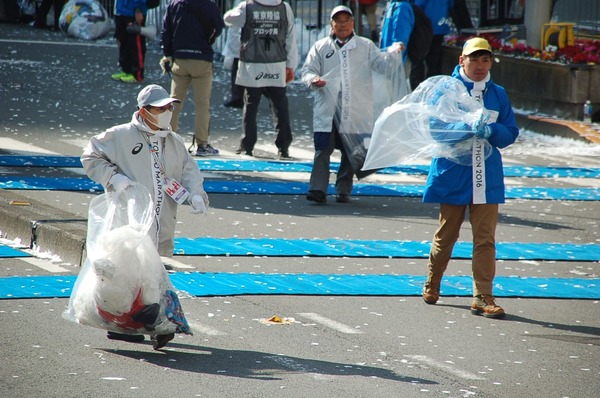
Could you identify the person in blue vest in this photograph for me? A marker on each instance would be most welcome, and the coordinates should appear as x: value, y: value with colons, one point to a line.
x: 478, y: 187
x: 437, y: 11
x: 268, y: 58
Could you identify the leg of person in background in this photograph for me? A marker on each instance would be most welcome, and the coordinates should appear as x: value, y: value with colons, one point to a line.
x: 138, y: 59
x: 181, y: 79
x: 281, y: 117
x: 319, y: 175
x: 237, y: 91
x: 418, y: 72
x: 252, y: 97
x: 121, y: 23
x: 345, y: 175
x: 41, y: 15
x: 202, y: 72
x: 58, y: 6
x: 433, y: 60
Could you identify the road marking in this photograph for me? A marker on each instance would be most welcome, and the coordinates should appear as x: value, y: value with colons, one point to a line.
x: 8, y: 144
x: 175, y: 264
x: 445, y: 367
x: 340, y: 327
x: 60, y: 43
x: 44, y: 264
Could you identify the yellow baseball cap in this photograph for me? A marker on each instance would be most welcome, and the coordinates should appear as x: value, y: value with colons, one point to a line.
x: 476, y: 44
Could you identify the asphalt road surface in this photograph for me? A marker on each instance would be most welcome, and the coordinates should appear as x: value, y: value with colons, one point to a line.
x: 56, y: 92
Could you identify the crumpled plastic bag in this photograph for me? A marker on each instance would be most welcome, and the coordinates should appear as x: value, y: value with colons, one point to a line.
x: 358, y: 108
x: 435, y: 120
x: 84, y: 19
x: 123, y: 285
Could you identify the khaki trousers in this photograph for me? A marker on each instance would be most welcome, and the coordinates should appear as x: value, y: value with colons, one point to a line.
x: 483, y: 219
x: 198, y: 74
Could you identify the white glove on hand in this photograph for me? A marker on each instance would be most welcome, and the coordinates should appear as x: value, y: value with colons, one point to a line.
x: 119, y: 182
x: 165, y: 64
x: 198, y: 205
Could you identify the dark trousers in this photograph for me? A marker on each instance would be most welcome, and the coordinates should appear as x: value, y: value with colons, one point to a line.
x: 430, y: 66
x: 325, y: 143
x: 132, y: 48
x: 42, y: 12
x: 281, y: 116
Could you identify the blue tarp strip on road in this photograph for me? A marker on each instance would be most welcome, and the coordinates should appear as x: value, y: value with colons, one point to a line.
x: 299, y: 188
x: 292, y: 166
x: 376, y: 249
x: 6, y: 251
x: 226, y: 284
x: 515, y: 251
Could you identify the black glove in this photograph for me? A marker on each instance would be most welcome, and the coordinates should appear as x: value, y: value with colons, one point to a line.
x: 134, y: 29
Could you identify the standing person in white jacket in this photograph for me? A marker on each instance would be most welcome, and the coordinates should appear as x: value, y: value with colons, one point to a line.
x: 339, y: 69
x: 147, y: 151
x: 268, y: 58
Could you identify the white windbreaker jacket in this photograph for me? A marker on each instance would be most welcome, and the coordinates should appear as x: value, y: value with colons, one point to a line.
x: 324, y: 60
x: 123, y: 149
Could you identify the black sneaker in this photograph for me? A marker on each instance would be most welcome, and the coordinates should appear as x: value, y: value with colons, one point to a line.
x: 316, y: 196
x: 130, y: 338
x: 234, y: 104
x: 284, y: 154
x: 161, y: 340
x: 241, y: 150
x: 342, y: 198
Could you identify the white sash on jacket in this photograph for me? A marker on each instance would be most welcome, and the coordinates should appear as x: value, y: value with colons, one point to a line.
x: 346, y: 87
x: 478, y: 156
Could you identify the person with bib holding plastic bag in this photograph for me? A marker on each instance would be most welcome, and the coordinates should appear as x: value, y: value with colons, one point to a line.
x: 477, y: 185
x: 146, y: 151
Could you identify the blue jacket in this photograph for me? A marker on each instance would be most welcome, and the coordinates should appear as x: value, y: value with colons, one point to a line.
x: 398, y: 24
x: 183, y: 34
x: 452, y: 183
x: 437, y: 11
x: 127, y: 8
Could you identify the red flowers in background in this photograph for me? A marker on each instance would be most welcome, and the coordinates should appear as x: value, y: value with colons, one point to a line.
x: 582, y: 52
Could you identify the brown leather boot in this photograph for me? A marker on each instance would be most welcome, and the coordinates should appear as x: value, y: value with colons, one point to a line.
x: 485, y: 305
x: 431, y: 290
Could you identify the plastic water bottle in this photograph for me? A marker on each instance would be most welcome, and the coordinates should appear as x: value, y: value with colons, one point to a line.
x: 587, y: 111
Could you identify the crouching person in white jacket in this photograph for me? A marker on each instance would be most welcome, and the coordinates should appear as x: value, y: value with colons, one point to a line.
x: 148, y: 152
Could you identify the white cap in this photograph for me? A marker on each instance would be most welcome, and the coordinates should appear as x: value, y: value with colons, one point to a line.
x: 339, y: 9
x: 154, y: 95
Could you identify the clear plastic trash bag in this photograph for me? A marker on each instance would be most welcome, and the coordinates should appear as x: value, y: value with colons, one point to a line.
x: 435, y: 120
x: 359, y: 105
x: 123, y: 285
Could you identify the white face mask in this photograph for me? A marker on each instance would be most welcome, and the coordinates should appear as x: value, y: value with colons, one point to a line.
x: 162, y: 120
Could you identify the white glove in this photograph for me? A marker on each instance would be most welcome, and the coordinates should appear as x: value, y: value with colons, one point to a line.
x: 119, y: 182
x: 166, y: 63
x: 198, y: 205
